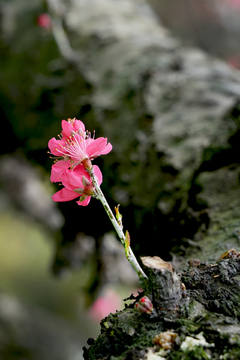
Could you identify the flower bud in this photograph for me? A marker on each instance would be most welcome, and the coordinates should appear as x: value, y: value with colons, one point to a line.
x: 144, y: 305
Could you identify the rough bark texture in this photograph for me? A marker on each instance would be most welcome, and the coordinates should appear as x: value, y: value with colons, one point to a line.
x: 206, y: 326
x: 172, y: 115
x: 170, y: 112
x: 164, y: 287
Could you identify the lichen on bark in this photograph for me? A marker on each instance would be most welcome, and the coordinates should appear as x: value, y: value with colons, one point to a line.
x: 206, y: 324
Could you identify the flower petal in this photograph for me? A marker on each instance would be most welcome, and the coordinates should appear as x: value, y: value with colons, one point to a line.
x: 64, y: 195
x: 61, y: 165
x: 55, y: 176
x: 54, y: 146
x: 84, y: 202
x: 97, y: 147
x: 72, y: 125
x: 107, y: 149
x: 72, y: 179
x: 79, y: 125
x: 98, y: 174
x: 58, y: 169
x: 67, y: 128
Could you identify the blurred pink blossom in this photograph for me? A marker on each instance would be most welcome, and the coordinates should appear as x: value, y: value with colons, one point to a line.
x: 235, y: 3
x: 234, y: 61
x: 44, y: 21
x: 107, y: 303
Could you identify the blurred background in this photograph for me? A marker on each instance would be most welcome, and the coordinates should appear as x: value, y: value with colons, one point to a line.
x: 212, y: 26
x: 61, y: 267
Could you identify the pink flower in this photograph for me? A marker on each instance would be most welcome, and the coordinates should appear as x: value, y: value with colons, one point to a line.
x: 77, y: 146
x: 70, y: 128
x: 78, y: 183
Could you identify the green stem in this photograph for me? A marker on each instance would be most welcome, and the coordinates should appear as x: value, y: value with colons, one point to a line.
x: 129, y: 253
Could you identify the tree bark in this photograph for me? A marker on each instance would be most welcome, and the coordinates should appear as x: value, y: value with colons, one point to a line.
x: 196, y: 319
x: 172, y: 114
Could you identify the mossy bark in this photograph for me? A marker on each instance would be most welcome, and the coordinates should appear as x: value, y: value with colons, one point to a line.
x: 209, y: 307
x: 172, y: 115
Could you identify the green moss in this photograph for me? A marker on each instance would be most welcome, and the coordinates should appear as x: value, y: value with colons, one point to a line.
x: 125, y: 329
x: 231, y: 354
x: 198, y: 353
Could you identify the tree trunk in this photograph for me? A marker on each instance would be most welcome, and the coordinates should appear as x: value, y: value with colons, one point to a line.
x: 196, y: 319
x: 172, y: 114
